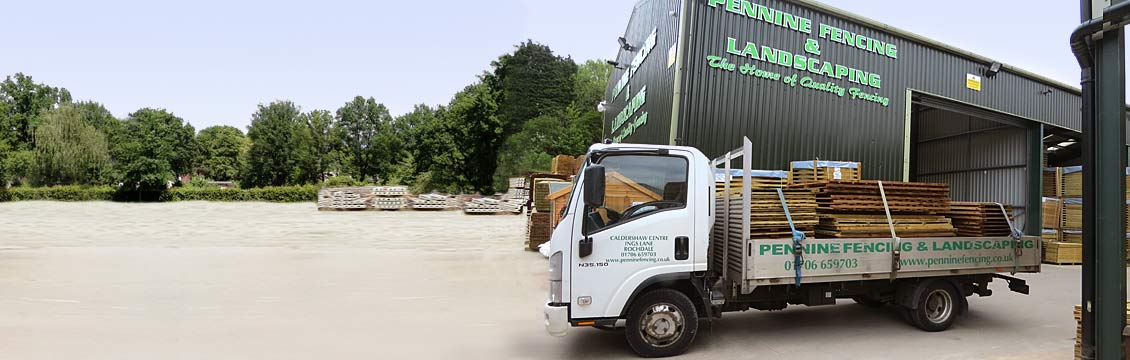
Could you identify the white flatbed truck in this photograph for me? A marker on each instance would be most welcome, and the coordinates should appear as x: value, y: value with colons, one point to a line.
x: 641, y: 255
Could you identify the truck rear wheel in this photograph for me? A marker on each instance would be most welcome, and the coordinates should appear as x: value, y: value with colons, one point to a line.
x: 661, y: 323
x: 938, y: 306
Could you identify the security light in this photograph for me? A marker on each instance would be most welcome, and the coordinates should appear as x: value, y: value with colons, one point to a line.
x: 624, y: 44
x: 993, y: 69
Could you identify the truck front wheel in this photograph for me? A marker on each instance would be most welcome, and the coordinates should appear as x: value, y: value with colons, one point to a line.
x: 937, y: 307
x: 661, y: 323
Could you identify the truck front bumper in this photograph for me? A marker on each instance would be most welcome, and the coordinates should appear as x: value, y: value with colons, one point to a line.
x: 557, y: 319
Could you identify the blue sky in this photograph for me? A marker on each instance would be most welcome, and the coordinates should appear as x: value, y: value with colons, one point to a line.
x: 211, y: 62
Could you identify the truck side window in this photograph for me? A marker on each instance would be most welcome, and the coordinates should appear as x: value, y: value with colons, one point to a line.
x: 637, y: 185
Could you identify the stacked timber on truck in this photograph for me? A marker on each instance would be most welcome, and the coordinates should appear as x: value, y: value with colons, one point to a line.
x: 767, y: 220
x: 759, y: 179
x: 855, y: 209
x: 981, y: 219
x: 821, y: 170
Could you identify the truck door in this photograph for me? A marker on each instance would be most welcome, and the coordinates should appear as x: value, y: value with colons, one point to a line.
x: 644, y: 230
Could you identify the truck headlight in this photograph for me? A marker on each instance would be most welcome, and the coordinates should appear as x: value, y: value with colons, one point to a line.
x: 555, y: 277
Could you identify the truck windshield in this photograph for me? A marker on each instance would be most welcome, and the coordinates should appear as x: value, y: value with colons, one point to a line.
x: 636, y: 185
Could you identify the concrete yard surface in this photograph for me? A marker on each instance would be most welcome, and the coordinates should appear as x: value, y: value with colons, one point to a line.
x: 199, y: 280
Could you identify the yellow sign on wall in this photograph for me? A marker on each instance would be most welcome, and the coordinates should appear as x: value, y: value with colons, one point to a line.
x: 973, y: 82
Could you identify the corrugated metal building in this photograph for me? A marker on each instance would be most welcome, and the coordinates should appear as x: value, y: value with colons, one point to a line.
x: 807, y: 81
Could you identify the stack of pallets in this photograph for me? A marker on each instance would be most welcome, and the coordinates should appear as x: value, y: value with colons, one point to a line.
x: 820, y: 170
x: 1072, y: 182
x: 1052, y: 182
x: 538, y: 230
x: 854, y: 209
x: 759, y: 179
x: 1078, y: 313
x: 1073, y: 214
x: 979, y: 219
x: 389, y: 197
x: 542, y: 190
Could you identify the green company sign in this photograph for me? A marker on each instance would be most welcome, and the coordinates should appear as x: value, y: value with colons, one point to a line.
x: 810, y: 72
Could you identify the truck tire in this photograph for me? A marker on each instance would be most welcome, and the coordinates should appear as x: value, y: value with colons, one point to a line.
x: 661, y: 323
x: 937, y: 308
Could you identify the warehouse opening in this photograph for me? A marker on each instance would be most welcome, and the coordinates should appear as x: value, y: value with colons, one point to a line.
x: 984, y: 155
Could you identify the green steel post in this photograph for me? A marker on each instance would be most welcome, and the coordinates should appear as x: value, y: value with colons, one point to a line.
x: 1108, y: 187
x: 1034, y: 221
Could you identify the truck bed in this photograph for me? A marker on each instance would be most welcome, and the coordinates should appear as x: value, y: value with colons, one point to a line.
x: 771, y: 261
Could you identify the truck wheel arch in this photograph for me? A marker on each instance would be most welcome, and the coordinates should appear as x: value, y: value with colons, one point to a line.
x: 677, y: 281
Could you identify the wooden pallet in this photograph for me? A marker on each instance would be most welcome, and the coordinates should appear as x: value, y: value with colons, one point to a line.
x: 1052, y: 183
x: 1072, y: 184
x: 979, y: 219
x: 864, y: 196
x: 1063, y: 253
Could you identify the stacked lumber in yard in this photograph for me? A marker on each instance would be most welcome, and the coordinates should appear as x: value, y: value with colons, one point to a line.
x: 1072, y: 236
x: 876, y: 226
x: 564, y: 165
x: 542, y: 189
x: 1073, y: 214
x: 980, y: 219
x: 819, y: 170
x: 1052, y: 180
x: 767, y: 214
x: 344, y: 198
x: 512, y: 205
x: 1063, y: 253
x: 1072, y: 181
x: 1052, y: 210
x: 1078, y: 313
x: 1050, y: 235
x: 864, y: 196
x: 388, y: 203
x: 558, y: 200
x: 482, y: 206
x: 431, y: 202
x: 759, y: 179
x: 538, y: 230
x: 395, y: 190
x: 578, y: 164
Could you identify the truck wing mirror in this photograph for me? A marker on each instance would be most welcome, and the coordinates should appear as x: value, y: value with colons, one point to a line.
x: 593, y: 192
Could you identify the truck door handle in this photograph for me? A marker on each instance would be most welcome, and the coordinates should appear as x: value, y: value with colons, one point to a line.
x: 585, y: 247
x: 682, y: 247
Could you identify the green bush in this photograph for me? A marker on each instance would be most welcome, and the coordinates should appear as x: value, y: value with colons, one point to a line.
x: 270, y: 194
x: 61, y: 193
x: 342, y: 180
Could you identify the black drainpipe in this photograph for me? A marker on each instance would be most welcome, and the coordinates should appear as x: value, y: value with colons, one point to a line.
x: 1082, y: 45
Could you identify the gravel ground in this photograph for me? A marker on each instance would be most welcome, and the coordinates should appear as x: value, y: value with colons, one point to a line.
x: 199, y: 280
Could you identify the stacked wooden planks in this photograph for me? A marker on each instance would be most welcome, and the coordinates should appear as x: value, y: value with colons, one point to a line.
x: 767, y: 215
x: 1078, y: 313
x: 1063, y: 253
x: 1073, y: 214
x: 979, y: 219
x: 821, y: 170
x: 1072, y: 236
x: 864, y: 196
x: 876, y: 226
x: 854, y: 209
x: 1052, y: 210
x: 538, y: 230
x: 564, y: 165
x: 1052, y: 182
x: 1072, y: 182
x: 759, y: 179
x: 542, y: 189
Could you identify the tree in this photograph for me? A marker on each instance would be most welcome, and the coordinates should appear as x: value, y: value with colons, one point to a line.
x: 221, y: 149
x: 478, y: 134
x: 590, y: 83
x: 530, y: 82
x: 273, y: 154
x: 96, y: 115
x: 25, y: 100
x: 156, y: 147
x: 68, y: 150
x: 324, y: 141
x: 364, y: 123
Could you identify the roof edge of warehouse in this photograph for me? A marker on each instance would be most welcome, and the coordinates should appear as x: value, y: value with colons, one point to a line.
x: 850, y: 16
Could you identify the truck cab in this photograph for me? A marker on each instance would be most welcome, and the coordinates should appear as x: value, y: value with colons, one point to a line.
x: 634, y: 222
